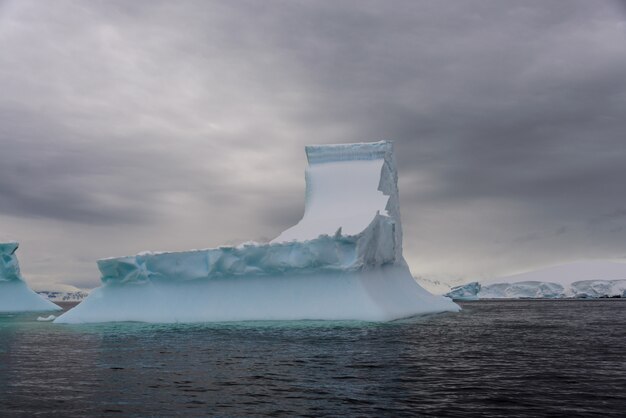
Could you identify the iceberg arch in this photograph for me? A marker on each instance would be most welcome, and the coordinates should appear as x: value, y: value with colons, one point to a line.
x: 15, y: 295
x: 342, y: 261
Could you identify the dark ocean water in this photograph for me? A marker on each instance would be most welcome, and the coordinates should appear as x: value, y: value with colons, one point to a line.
x: 496, y: 358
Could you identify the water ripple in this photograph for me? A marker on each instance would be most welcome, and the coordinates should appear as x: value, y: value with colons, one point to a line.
x: 513, y: 358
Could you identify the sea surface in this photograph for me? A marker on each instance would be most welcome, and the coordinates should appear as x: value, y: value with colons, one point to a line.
x: 495, y: 358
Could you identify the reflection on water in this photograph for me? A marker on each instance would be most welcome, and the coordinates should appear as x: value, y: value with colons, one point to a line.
x: 519, y: 358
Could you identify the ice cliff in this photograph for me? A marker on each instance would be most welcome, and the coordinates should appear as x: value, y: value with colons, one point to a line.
x: 15, y: 295
x: 342, y: 261
x: 540, y: 290
x: 585, y: 279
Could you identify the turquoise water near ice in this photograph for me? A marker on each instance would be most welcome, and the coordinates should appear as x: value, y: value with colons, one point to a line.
x: 514, y: 358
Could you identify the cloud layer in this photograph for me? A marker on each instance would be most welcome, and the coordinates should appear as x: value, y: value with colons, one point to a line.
x: 127, y: 126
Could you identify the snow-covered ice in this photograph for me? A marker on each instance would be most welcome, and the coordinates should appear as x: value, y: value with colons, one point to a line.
x: 15, y: 295
x: 584, y: 279
x: 342, y: 261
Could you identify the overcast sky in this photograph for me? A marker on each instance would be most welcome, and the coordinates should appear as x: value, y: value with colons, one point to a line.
x: 169, y: 125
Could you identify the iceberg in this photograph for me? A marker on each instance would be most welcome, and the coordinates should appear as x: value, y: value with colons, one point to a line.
x: 15, y: 295
x: 342, y: 261
x: 583, y: 279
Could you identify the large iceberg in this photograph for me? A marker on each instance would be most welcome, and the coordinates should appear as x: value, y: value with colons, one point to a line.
x: 584, y: 279
x: 15, y: 295
x: 342, y: 261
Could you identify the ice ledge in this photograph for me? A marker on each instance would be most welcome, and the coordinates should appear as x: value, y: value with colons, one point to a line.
x: 374, y: 247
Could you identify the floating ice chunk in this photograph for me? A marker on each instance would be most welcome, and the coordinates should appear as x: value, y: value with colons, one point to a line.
x: 342, y: 261
x: 15, y: 295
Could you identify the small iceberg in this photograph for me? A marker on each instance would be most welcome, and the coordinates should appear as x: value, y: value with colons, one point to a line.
x: 15, y: 295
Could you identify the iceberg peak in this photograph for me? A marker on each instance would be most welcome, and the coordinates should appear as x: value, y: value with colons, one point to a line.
x: 348, y: 185
x: 9, y: 267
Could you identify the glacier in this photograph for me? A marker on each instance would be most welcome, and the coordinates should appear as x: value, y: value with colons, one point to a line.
x: 583, y: 279
x: 15, y: 295
x: 342, y: 261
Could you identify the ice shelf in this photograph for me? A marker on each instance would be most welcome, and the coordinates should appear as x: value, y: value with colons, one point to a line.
x: 582, y: 279
x: 342, y: 261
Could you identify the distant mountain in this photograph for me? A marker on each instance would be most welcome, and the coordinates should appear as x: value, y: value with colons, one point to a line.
x: 438, y: 285
x: 583, y: 279
x: 62, y: 293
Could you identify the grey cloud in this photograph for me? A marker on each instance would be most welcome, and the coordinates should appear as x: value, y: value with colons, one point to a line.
x: 185, y: 121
